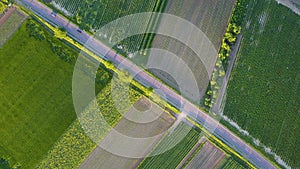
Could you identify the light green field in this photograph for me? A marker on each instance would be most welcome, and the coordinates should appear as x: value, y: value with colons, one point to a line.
x: 264, y: 93
x: 75, y: 145
x: 70, y: 150
x: 36, y: 98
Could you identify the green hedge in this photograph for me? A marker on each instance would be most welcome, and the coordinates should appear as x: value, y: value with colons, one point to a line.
x: 38, y: 32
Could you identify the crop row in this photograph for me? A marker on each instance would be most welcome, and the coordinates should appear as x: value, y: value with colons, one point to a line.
x: 92, y: 15
x: 232, y: 164
x: 171, y: 158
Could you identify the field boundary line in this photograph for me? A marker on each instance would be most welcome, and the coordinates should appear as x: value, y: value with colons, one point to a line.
x: 233, y: 56
x: 203, y: 141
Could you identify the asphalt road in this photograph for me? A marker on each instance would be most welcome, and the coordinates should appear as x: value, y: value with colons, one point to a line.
x: 172, y: 97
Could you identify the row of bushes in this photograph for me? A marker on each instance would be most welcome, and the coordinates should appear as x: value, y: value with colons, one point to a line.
x: 232, y: 31
x: 214, y: 85
x: 229, y: 40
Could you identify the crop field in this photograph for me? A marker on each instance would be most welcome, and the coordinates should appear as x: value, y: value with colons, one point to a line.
x: 70, y: 150
x: 9, y: 23
x: 36, y: 105
x: 36, y: 98
x: 263, y: 95
x: 197, y: 147
x: 91, y: 15
x: 95, y: 14
x: 105, y: 159
x: 231, y: 164
x: 177, y: 153
x: 211, y: 17
x: 74, y: 146
x: 208, y: 157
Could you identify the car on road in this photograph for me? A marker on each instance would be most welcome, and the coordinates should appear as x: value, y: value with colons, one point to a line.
x: 53, y: 14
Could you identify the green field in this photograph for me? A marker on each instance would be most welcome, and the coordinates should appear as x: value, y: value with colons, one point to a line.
x: 171, y: 158
x: 36, y: 98
x: 263, y: 93
x: 75, y: 145
x: 231, y: 164
x: 70, y: 150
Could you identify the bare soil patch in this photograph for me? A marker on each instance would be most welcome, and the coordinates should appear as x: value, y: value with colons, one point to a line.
x: 9, y: 23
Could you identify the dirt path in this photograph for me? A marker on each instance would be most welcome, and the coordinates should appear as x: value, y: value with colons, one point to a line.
x: 6, y: 14
x: 218, y: 106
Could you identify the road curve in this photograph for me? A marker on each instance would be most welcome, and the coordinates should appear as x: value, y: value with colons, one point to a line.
x: 172, y: 97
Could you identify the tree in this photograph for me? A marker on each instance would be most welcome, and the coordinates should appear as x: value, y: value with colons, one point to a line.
x: 4, y: 164
x: 62, y: 29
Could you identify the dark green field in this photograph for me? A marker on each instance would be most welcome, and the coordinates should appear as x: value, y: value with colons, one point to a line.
x: 264, y: 92
x: 36, y: 104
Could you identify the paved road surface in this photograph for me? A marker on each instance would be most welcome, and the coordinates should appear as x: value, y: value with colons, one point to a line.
x: 173, y: 98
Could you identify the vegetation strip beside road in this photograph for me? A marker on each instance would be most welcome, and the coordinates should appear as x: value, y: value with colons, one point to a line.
x: 233, y: 29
